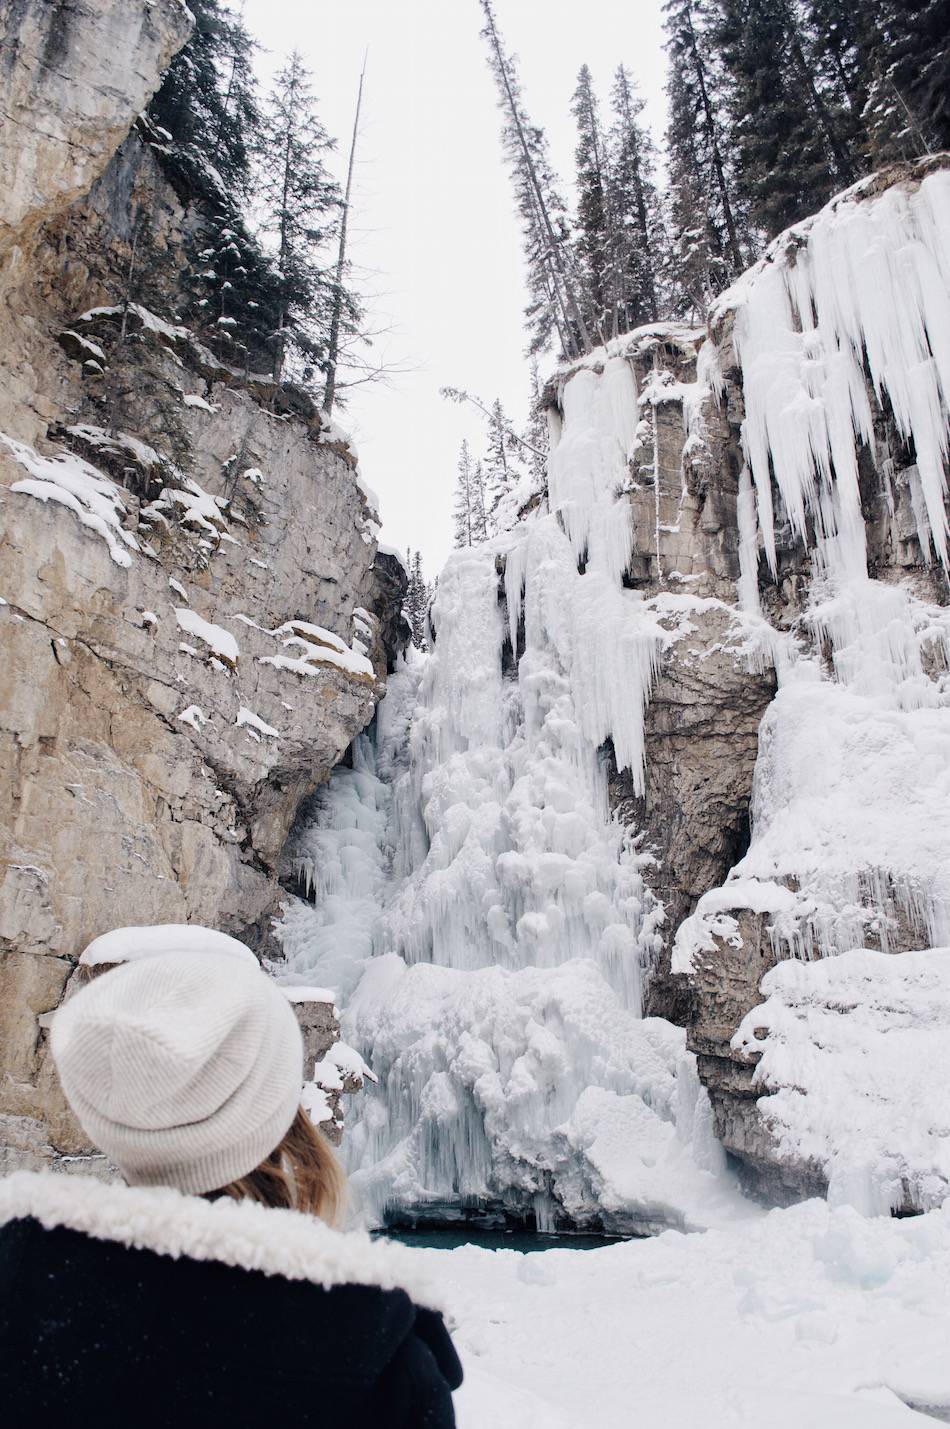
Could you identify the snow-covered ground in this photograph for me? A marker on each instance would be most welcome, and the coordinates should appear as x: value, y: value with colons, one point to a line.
x: 810, y: 1318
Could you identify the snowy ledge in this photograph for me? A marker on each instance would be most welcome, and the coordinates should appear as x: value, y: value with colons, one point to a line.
x: 855, y: 1066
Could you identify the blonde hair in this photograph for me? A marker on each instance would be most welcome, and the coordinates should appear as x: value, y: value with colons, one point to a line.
x: 300, y: 1174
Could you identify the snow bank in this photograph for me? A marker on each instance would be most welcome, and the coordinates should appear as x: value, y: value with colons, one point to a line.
x: 810, y: 1318
x: 855, y: 1058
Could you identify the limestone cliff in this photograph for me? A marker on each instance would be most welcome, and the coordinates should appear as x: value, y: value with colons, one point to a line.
x: 195, y: 621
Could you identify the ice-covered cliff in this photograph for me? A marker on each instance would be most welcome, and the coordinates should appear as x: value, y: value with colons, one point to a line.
x: 685, y: 721
x: 195, y: 619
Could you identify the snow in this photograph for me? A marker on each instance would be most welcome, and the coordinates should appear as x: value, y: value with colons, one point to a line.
x: 850, y: 796
x: 219, y: 641
x: 177, y: 587
x: 87, y: 344
x: 248, y: 719
x: 193, y: 715
x: 303, y: 992
x: 319, y: 648
x: 149, y: 320
x: 191, y: 399
x: 809, y: 1318
x: 72, y: 482
x: 868, y: 280
x: 123, y: 945
x: 851, y: 805
x: 383, y: 550
x: 487, y: 929
x: 120, y: 444
x: 855, y: 1058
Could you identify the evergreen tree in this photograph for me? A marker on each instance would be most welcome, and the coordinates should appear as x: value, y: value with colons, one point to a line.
x: 556, y: 299
x: 709, y: 241
x: 791, y: 149
x: 462, y: 512
x: 501, y: 472
x: 207, y: 102
x: 904, y: 50
x: 471, y: 523
x: 596, y: 243
x: 837, y: 30
x: 417, y: 599
x: 303, y: 203
x: 535, y: 443
x: 633, y: 201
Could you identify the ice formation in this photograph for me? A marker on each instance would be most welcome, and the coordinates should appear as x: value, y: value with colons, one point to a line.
x: 856, y: 1056
x: 847, y: 317
x: 483, y: 919
x: 486, y: 924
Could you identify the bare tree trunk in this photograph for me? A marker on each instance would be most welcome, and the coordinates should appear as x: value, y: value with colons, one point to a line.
x: 333, y: 349
x: 282, y: 262
x: 575, y: 309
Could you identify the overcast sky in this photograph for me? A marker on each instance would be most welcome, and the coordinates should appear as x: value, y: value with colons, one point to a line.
x: 433, y: 217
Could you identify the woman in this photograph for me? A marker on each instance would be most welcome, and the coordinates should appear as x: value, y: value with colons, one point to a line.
x: 205, y: 1290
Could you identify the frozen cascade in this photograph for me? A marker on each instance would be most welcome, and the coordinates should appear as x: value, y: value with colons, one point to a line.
x: 483, y: 918
x: 847, y: 317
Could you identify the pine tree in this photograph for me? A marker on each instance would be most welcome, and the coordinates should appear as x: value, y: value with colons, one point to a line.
x: 633, y: 200
x: 536, y: 439
x: 791, y: 152
x: 303, y: 203
x: 204, y: 124
x: 556, y: 299
x: 469, y: 509
x: 501, y: 471
x: 709, y: 240
x: 837, y: 30
x: 207, y: 101
x: 904, y: 50
x: 596, y: 243
x: 417, y: 599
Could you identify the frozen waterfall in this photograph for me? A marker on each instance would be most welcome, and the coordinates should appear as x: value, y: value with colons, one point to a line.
x: 485, y: 922
x: 483, y: 918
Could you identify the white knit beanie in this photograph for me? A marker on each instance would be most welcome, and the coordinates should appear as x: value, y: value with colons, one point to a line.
x: 185, y: 1070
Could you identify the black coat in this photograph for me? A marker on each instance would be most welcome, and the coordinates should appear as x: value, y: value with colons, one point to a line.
x: 139, y: 1308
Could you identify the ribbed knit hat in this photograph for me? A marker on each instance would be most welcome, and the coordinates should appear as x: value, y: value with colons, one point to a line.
x: 185, y: 1069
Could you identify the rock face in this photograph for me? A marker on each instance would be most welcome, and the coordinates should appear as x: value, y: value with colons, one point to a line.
x: 72, y: 79
x: 708, y: 694
x: 194, y: 626
x: 811, y: 794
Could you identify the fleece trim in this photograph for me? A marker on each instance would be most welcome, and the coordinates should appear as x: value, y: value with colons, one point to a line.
x: 242, y: 1234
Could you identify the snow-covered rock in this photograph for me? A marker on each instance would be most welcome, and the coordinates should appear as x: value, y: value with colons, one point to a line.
x: 151, y: 762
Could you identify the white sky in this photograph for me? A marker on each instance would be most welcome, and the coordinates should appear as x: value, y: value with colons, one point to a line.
x: 433, y: 212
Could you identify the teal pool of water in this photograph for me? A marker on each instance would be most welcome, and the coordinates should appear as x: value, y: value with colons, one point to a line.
x: 449, y: 1237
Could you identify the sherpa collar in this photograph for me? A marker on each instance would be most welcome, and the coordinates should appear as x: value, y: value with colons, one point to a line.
x: 237, y: 1233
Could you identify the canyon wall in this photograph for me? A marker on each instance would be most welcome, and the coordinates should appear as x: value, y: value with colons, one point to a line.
x: 788, y: 499
x: 195, y: 620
